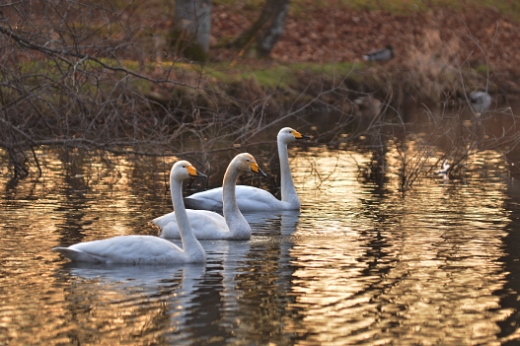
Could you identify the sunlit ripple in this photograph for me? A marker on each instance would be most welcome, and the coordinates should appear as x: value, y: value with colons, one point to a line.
x: 140, y: 302
x: 426, y: 274
x: 361, y: 264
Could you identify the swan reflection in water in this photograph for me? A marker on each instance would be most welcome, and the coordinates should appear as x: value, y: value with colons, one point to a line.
x: 242, y: 261
x: 264, y: 222
x: 127, y: 276
x: 128, y: 299
x: 177, y: 300
x: 286, y: 221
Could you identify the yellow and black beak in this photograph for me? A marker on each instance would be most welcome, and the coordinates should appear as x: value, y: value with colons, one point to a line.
x: 256, y: 169
x: 298, y: 135
x: 192, y: 171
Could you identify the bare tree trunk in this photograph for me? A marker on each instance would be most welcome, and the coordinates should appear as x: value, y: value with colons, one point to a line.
x: 265, y: 32
x: 192, y: 28
x: 272, y: 32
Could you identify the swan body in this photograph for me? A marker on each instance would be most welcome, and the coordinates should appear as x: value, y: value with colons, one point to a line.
x: 129, y: 249
x: 250, y: 198
x: 480, y: 101
x: 210, y: 225
x: 145, y: 249
x: 198, y: 218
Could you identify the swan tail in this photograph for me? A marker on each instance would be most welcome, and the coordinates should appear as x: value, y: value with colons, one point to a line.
x: 78, y: 256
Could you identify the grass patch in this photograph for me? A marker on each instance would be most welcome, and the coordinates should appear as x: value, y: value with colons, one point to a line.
x: 279, y: 75
x: 329, y: 70
x: 268, y: 77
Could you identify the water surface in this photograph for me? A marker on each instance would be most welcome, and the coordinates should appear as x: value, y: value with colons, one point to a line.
x: 362, y: 264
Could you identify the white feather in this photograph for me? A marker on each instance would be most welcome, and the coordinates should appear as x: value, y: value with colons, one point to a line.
x: 210, y: 225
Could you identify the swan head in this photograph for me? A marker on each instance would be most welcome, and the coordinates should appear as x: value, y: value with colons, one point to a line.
x: 288, y: 135
x: 183, y: 170
x: 246, y: 163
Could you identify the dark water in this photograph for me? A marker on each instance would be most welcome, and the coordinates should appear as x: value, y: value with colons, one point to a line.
x: 362, y: 264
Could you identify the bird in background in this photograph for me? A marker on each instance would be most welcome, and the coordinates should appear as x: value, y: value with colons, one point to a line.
x: 480, y: 101
x: 445, y: 170
x: 384, y: 54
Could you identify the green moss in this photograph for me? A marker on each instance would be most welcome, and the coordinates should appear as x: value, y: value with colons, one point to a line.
x: 277, y: 76
x: 483, y: 69
x: 272, y: 77
x: 249, y: 4
x: 329, y: 70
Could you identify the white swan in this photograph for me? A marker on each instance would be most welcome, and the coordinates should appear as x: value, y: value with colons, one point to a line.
x: 444, y: 171
x: 145, y: 249
x: 251, y: 198
x: 209, y: 225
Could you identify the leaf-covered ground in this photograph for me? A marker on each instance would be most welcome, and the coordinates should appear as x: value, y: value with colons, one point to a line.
x: 435, y: 37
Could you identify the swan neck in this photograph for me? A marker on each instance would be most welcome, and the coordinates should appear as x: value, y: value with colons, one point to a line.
x: 189, y: 241
x: 288, y: 190
x: 238, y: 226
x: 229, y: 200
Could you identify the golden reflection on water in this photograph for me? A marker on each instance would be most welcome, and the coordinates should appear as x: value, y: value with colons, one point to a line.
x: 57, y: 209
x: 438, y: 267
x: 130, y: 303
x: 362, y: 264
